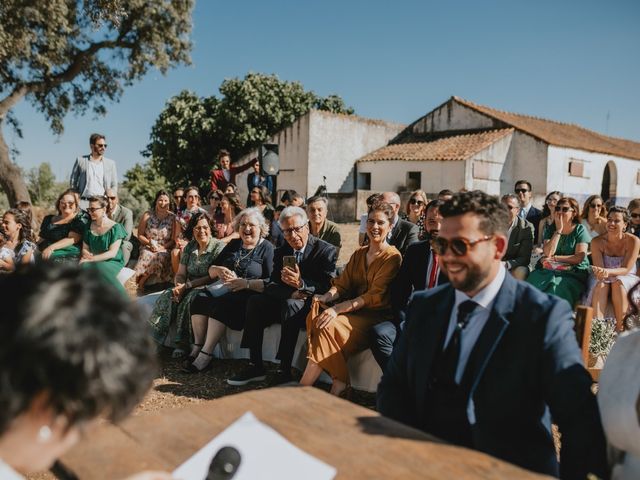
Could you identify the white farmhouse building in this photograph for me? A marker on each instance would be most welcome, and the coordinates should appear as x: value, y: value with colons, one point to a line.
x: 322, y: 145
x: 464, y: 145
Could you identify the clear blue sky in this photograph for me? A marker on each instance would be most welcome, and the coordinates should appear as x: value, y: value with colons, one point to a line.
x: 571, y: 61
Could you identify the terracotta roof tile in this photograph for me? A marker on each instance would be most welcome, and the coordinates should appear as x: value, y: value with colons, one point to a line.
x: 560, y: 134
x: 458, y: 147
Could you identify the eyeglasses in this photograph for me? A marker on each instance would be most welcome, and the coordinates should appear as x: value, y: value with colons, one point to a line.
x: 563, y: 209
x: 522, y: 190
x: 248, y: 225
x: 94, y: 209
x: 100, y: 145
x: 111, y: 198
x: 291, y: 231
x: 595, y: 205
x: 635, y: 215
x: 459, y: 246
x: 415, y: 201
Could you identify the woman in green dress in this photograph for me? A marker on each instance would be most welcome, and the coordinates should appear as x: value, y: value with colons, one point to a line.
x: 198, y: 255
x: 564, y: 268
x: 61, y: 234
x: 102, y: 241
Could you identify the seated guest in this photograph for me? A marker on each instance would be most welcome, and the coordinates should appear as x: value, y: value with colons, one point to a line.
x: 524, y: 191
x: 157, y: 233
x: 420, y: 269
x: 362, y: 231
x: 260, y: 198
x: 416, y: 211
x: 311, y: 264
x: 213, y: 207
x: 244, y: 266
x: 296, y: 199
x: 231, y: 189
x: 16, y: 225
x: 276, y: 237
x: 358, y: 299
x: 564, y: 269
x: 547, y: 220
x: 61, y: 234
x: 192, y: 206
x: 319, y: 226
x: 487, y: 361
x: 594, y: 216
x: 256, y: 179
x: 173, y: 304
x: 229, y: 208
x: 614, y: 266
x: 178, y: 201
x: 101, y: 243
x: 60, y: 374
x: 520, y: 236
x: 403, y: 233
x: 634, y: 216
x: 124, y: 217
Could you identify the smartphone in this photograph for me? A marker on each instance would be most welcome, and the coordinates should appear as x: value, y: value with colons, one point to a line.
x: 289, y: 261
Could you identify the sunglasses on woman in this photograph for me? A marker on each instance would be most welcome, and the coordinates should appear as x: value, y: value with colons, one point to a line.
x: 415, y: 201
x: 595, y: 205
x: 459, y: 246
x: 563, y: 209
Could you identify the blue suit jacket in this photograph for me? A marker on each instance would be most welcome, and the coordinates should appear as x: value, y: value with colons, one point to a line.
x: 527, y: 368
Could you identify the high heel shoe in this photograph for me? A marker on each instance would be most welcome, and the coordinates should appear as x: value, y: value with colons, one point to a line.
x: 193, y: 369
x: 192, y: 358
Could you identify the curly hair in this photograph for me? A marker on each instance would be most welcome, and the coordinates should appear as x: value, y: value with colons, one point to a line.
x: 256, y: 214
x: 383, y: 207
x: 195, y: 218
x: 494, y: 216
x: 69, y: 335
x: 626, y: 218
x: 234, y: 202
x: 22, y: 218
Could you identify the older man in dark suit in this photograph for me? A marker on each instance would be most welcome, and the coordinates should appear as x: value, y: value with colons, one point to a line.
x: 287, y: 297
x: 403, y: 233
x: 528, y: 212
x: 487, y: 361
x: 520, y: 235
x: 419, y: 270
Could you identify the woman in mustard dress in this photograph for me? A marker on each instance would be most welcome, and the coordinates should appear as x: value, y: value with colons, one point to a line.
x: 359, y: 299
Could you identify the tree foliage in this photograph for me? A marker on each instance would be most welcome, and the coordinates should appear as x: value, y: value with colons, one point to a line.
x: 190, y: 130
x: 143, y: 182
x: 42, y: 185
x: 75, y: 56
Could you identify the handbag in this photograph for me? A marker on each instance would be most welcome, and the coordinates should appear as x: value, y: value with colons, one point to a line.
x: 217, y: 289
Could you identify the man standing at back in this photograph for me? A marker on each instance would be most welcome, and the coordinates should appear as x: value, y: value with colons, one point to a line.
x: 527, y: 211
x: 403, y: 233
x: 486, y: 361
x: 93, y: 174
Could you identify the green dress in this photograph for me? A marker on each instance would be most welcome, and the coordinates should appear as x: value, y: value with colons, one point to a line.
x: 567, y: 284
x: 98, y: 244
x: 52, y: 233
x: 165, y: 310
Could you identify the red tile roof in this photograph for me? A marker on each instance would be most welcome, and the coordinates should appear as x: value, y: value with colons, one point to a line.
x: 560, y: 134
x: 459, y: 147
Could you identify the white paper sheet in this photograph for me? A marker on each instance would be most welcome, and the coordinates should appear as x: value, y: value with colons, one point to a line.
x: 265, y: 455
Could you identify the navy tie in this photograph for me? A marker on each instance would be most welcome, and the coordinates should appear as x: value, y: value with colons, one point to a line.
x: 451, y: 354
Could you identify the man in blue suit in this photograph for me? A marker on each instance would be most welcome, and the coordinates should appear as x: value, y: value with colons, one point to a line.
x: 487, y: 361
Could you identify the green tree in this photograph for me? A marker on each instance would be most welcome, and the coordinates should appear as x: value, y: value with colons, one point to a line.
x: 142, y: 181
x: 190, y: 130
x: 77, y: 55
x: 137, y: 204
x: 42, y: 185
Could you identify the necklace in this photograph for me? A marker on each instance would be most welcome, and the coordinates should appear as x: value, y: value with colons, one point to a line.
x: 236, y: 264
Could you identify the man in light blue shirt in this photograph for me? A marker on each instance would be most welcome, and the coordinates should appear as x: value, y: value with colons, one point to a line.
x: 93, y: 174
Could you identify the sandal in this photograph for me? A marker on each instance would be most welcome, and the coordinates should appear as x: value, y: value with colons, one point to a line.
x: 191, y: 368
x: 192, y: 358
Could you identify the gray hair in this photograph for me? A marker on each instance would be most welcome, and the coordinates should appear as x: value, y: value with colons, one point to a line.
x: 318, y: 198
x: 391, y: 197
x: 510, y: 196
x: 253, y: 213
x: 292, y: 212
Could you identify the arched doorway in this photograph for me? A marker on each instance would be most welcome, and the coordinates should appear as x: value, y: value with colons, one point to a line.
x: 609, y: 181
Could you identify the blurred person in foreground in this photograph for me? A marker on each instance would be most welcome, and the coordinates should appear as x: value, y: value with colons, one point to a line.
x: 71, y: 351
x: 487, y: 361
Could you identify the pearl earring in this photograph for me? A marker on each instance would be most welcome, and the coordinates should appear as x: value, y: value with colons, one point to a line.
x: 44, y: 434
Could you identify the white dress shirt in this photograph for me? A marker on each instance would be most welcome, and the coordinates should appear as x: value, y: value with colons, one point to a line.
x: 8, y: 473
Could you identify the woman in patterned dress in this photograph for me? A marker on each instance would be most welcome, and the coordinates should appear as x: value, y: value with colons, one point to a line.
x: 156, y: 232
x: 417, y: 211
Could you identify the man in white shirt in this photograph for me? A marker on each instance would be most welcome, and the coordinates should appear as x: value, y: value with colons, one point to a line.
x: 93, y: 174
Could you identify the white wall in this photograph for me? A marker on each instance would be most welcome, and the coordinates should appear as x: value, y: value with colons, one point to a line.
x: 391, y: 175
x: 452, y: 116
x: 591, y: 183
x: 336, y: 142
x: 485, y: 169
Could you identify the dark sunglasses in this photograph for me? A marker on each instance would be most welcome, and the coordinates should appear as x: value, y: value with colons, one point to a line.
x: 635, y: 215
x: 563, y: 209
x: 111, y: 198
x: 522, y: 190
x: 94, y: 209
x: 459, y: 246
x: 100, y: 145
x: 415, y: 201
x: 595, y: 205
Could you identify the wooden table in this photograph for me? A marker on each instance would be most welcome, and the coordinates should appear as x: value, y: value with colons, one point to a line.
x: 357, y: 441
